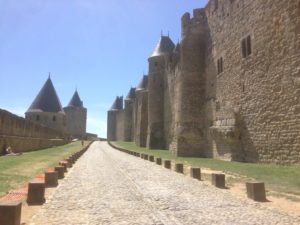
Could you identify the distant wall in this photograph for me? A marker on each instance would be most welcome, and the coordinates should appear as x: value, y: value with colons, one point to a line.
x: 23, y: 135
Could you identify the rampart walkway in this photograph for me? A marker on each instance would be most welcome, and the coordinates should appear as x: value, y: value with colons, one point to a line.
x: 110, y: 187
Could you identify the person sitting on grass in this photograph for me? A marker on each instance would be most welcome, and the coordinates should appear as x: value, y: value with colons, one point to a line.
x: 10, y: 152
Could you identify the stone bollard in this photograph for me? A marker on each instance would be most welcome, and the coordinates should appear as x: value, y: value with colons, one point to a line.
x: 36, y: 193
x: 158, y: 161
x: 179, y: 167
x: 218, y: 180
x: 142, y: 155
x: 10, y: 213
x: 256, y: 191
x: 138, y: 155
x: 64, y: 164
x: 151, y: 158
x: 145, y: 156
x: 69, y: 163
x: 51, y: 178
x: 195, y: 173
x: 167, y: 164
x: 60, y: 170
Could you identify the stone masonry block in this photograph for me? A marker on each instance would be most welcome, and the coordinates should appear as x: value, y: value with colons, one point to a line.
x: 51, y: 178
x: 179, y: 167
x: 158, y: 161
x: 151, y: 158
x: 195, y: 173
x: 60, y: 170
x: 64, y: 164
x: 146, y: 156
x: 256, y: 191
x: 218, y: 180
x: 36, y: 193
x: 167, y: 164
x: 10, y: 213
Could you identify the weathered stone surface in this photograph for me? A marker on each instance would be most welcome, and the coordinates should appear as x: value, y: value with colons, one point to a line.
x: 51, y: 178
x: 195, y: 173
x: 167, y: 164
x: 60, y: 171
x: 151, y: 158
x: 218, y: 180
x: 158, y: 161
x: 23, y: 135
x: 10, y: 213
x: 179, y: 167
x: 36, y: 193
x: 65, y: 165
x: 256, y: 191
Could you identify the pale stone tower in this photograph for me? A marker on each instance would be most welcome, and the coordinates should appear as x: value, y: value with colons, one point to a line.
x: 128, y: 111
x: 76, y: 117
x: 112, y: 117
x: 46, y: 108
x: 140, y: 112
x: 190, y: 87
x: 157, y: 68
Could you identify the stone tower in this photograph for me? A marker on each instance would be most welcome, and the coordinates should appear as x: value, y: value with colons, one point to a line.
x: 157, y: 68
x: 112, y: 115
x: 76, y: 117
x: 46, y: 109
x: 128, y: 111
x: 140, y: 112
x: 190, y: 86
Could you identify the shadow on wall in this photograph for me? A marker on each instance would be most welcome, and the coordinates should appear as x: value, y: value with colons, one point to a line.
x: 247, y: 151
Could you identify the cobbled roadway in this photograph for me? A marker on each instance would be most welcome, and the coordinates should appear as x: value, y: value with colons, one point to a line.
x: 106, y: 186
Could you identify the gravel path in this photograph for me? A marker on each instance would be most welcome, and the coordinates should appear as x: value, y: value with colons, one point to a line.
x: 106, y: 187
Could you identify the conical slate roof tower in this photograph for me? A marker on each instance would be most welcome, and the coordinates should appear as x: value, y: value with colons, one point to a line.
x: 164, y: 45
x: 46, y: 100
x: 75, y: 100
x: 46, y: 108
x: 76, y: 116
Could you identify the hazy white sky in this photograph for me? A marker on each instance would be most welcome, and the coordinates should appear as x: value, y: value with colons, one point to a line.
x: 99, y: 46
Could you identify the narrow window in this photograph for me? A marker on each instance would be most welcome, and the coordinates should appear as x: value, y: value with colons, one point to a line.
x: 155, y: 64
x: 216, y: 4
x: 246, y: 46
x: 220, y: 65
x: 54, y: 118
x: 249, y: 51
x: 37, y: 117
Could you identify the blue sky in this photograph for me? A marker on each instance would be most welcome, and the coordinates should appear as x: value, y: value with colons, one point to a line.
x: 99, y: 46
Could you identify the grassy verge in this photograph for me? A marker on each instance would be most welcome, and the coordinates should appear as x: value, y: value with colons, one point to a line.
x: 15, y: 170
x: 284, y: 179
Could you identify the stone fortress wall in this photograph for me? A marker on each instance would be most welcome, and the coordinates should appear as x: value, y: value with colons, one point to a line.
x: 229, y: 90
x: 23, y: 135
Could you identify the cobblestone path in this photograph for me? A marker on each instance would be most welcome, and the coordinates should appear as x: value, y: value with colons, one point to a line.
x: 106, y: 187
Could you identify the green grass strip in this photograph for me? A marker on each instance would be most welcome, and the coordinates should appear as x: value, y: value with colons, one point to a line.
x: 279, y: 178
x: 15, y: 170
